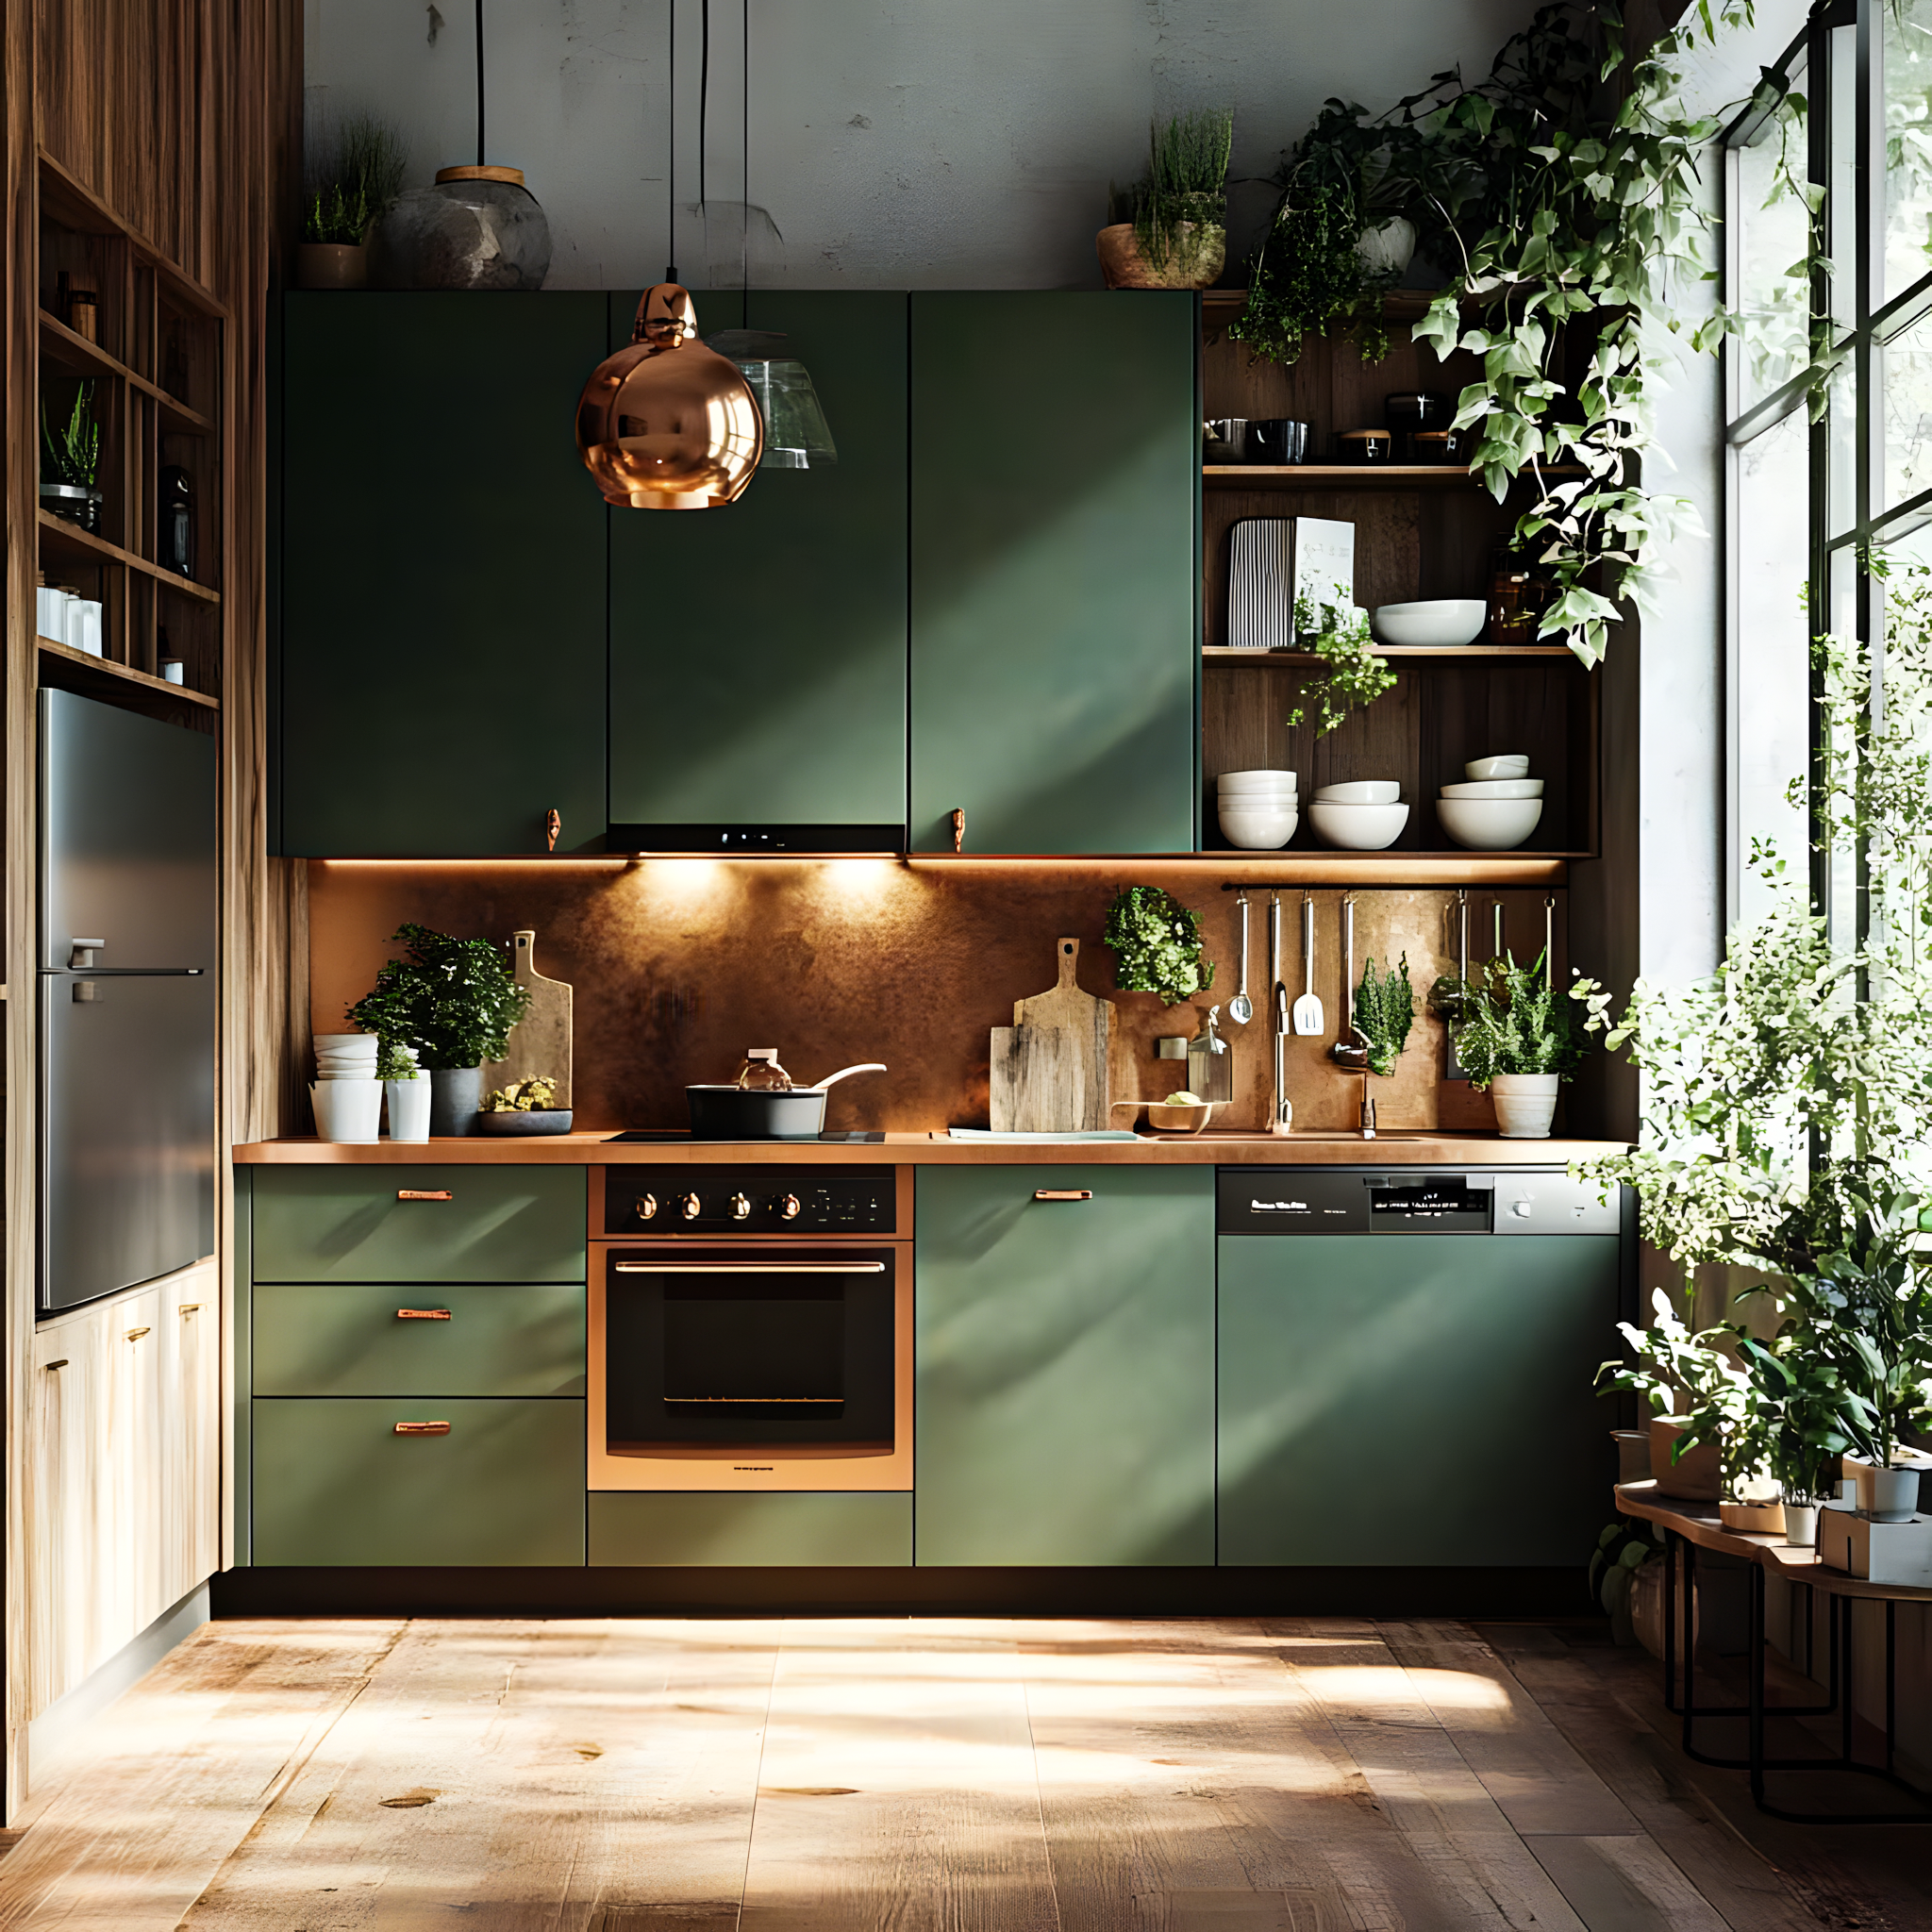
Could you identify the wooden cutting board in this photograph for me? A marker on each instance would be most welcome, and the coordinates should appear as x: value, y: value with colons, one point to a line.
x: 1049, y: 1068
x: 540, y: 1042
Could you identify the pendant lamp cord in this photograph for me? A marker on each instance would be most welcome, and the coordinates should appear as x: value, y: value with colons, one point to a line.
x: 480, y: 83
x: 704, y: 93
x: 671, y: 171
x: 744, y: 166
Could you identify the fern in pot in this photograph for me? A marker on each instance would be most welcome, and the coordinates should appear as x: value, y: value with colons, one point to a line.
x: 1169, y: 232
x: 1518, y: 1037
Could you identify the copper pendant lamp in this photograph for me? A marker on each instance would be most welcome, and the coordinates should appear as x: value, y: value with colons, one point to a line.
x: 667, y: 423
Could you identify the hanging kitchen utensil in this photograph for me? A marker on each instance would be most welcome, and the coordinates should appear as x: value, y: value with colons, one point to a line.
x: 1455, y: 1070
x: 1210, y: 1061
x: 1549, y: 945
x: 1240, y: 1009
x: 1348, y: 1052
x: 763, y: 1103
x: 1281, y: 1110
x: 1308, y: 1016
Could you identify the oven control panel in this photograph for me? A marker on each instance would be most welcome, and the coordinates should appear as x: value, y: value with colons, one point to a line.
x: 749, y: 1200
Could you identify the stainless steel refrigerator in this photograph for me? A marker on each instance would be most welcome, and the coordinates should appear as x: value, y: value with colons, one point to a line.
x: 128, y: 931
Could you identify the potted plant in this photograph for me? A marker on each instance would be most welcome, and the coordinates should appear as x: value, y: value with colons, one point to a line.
x: 1384, y: 1010
x: 1156, y: 946
x: 70, y: 459
x: 1516, y: 1036
x: 1170, y: 230
x: 1802, y: 1405
x: 352, y: 179
x: 1696, y: 1402
x: 454, y: 1001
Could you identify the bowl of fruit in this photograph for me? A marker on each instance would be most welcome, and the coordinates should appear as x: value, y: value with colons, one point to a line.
x: 1181, y: 1113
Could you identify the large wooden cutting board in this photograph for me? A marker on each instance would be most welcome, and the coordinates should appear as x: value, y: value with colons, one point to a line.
x: 1049, y: 1068
x: 540, y: 1042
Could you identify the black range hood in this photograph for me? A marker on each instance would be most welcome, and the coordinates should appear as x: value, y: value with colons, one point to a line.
x: 756, y: 841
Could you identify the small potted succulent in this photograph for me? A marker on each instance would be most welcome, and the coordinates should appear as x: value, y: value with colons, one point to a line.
x: 1517, y: 1035
x: 455, y: 1002
x: 352, y: 179
x: 525, y: 1106
x: 1168, y: 230
x: 70, y: 460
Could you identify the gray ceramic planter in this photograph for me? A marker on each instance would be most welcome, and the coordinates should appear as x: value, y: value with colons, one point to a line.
x: 455, y: 1094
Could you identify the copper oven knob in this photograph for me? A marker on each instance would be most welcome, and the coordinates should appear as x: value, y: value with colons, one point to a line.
x: 693, y: 1206
x: 647, y: 1207
x: 790, y: 1207
x: 741, y: 1207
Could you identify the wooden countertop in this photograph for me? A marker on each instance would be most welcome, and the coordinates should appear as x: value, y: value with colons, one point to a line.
x: 1226, y: 1148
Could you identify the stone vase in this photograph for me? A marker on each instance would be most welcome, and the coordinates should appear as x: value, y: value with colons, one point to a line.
x: 455, y: 1098
x: 476, y: 228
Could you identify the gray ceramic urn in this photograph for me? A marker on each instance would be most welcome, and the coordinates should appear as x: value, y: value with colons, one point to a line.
x: 476, y: 228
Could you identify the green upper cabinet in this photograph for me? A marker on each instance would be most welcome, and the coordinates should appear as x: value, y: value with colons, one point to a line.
x: 758, y: 653
x: 1065, y: 1366
x: 1056, y: 490
x: 442, y: 578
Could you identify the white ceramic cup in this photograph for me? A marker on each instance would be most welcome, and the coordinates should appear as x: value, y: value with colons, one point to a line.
x: 409, y: 1108
x: 348, y: 1111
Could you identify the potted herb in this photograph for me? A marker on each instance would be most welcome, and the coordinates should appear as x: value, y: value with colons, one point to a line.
x: 352, y: 180
x: 1384, y: 1012
x: 1170, y: 230
x: 1518, y: 1037
x: 454, y: 1001
x: 70, y: 459
x: 1156, y: 946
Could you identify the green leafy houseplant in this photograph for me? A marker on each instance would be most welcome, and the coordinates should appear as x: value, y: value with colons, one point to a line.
x: 72, y: 453
x: 1510, y: 1020
x: 1180, y: 209
x: 1384, y: 1012
x: 1156, y: 946
x: 352, y: 180
x: 1352, y: 674
x: 454, y: 1000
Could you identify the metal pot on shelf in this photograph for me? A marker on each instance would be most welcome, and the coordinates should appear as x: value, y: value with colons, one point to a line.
x: 764, y: 1102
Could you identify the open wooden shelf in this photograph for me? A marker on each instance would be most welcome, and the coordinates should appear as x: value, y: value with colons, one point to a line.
x: 1220, y: 306
x: 90, y: 666
x: 73, y: 204
x: 62, y: 345
x: 60, y: 538
x: 1223, y: 654
x: 1361, y: 476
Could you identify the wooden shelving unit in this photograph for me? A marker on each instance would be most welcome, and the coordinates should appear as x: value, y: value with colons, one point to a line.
x: 152, y: 371
x: 1354, y: 476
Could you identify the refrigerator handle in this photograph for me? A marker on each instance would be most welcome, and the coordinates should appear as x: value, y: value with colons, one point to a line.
x: 81, y: 959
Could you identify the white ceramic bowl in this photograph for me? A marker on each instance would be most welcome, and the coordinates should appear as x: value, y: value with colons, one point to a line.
x: 1362, y: 792
x: 1436, y: 621
x: 1496, y: 788
x: 1358, y: 827
x: 347, y: 1042
x: 1488, y: 825
x: 1254, y: 781
x: 1257, y: 831
x: 1505, y: 764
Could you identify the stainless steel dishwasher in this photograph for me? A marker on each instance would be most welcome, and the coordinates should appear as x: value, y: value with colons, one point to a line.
x: 1406, y: 1363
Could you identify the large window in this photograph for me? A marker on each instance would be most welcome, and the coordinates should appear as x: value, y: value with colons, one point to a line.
x: 1817, y: 510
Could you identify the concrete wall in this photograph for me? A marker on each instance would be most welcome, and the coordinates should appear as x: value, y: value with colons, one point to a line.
x: 895, y: 143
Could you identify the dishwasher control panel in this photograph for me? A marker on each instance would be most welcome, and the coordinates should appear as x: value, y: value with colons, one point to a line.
x: 1354, y: 1200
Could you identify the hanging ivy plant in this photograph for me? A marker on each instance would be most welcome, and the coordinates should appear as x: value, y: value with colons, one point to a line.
x: 1352, y: 676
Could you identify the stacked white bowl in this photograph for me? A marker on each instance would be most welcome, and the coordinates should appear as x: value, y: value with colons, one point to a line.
x: 345, y: 1055
x: 347, y: 1096
x: 1362, y: 816
x: 1497, y: 808
x: 1258, y: 809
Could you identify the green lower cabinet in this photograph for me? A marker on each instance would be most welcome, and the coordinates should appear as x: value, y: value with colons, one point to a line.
x: 339, y: 1339
x: 334, y: 1483
x: 789, y: 1531
x: 419, y: 1223
x: 1417, y: 1400
x: 1065, y: 1362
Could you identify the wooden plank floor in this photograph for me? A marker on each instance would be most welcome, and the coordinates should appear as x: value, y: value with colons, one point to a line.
x: 961, y: 1776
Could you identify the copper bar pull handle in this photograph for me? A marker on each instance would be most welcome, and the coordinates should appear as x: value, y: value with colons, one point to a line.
x: 1064, y: 1193
x: 422, y: 1428
x: 423, y: 1195
x: 553, y: 827
x: 958, y: 818
x: 190, y: 1309
x: 422, y: 1314
x: 60, y: 1364
x: 134, y: 1334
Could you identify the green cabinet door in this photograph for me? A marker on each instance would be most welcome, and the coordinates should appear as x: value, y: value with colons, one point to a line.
x: 1055, y: 485
x: 335, y: 1483
x: 758, y: 653
x: 442, y: 577
x: 1065, y: 1364
x: 1420, y: 1399
x: 419, y: 1223
x: 351, y: 1338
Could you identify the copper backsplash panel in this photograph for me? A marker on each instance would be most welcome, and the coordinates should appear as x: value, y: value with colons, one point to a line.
x: 681, y: 964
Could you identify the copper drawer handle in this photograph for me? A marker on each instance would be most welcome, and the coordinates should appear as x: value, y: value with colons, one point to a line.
x: 190, y: 1309
x: 60, y: 1364
x: 422, y: 1314
x: 1064, y: 1193
x: 422, y: 1428
x: 134, y: 1334
x: 423, y: 1195
x: 750, y: 1268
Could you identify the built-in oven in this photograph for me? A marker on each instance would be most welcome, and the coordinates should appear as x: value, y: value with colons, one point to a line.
x: 750, y: 1329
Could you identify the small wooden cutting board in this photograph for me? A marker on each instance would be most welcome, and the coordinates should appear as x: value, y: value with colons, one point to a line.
x: 1049, y: 1068
x: 540, y: 1042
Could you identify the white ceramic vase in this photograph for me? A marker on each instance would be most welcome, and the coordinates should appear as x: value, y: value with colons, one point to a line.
x: 1886, y: 1495
x: 1801, y: 1525
x: 1386, y: 250
x: 409, y: 1108
x: 347, y: 1110
x: 1525, y: 1104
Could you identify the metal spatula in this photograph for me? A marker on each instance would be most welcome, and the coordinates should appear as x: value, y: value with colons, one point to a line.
x: 1308, y: 1016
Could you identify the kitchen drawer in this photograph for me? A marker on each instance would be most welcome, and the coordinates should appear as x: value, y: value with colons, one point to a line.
x: 334, y: 1483
x: 481, y: 1223
x: 357, y: 1340
x: 789, y: 1531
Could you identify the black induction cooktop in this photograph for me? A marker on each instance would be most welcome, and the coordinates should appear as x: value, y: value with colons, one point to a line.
x: 672, y: 1137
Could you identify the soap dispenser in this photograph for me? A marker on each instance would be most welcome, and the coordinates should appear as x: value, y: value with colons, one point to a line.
x: 1211, y: 1061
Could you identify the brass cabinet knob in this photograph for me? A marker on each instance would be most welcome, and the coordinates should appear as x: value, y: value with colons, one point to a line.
x: 693, y: 1206
x: 790, y: 1207
x: 741, y: 1207
x: 647, y: 1207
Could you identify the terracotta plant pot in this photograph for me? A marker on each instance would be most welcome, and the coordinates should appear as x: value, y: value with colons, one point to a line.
x: 1696, y: 1478
x: 1124, y: 267
x: 332, y: 265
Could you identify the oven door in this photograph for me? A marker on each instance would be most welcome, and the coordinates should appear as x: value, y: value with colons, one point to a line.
x: 751, y: 1367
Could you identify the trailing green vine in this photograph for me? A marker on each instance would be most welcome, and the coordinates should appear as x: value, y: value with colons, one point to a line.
x: 1352, y: 676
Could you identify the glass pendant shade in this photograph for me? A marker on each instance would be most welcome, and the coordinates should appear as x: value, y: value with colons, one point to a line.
x: 797, y: 436
x: 667, y: 423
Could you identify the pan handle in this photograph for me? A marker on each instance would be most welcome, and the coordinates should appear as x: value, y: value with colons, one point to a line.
x: 867, y: 1067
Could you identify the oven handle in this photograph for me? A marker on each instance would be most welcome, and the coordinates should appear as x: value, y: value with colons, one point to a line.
x: 751, y: 1268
